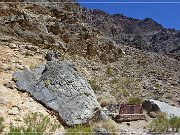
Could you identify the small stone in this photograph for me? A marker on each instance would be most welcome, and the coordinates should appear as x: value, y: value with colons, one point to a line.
x: 152, y: 114
x: 125, y: 130
x: 20, y: 67
x: 14, y: 111
x: 13, y: 46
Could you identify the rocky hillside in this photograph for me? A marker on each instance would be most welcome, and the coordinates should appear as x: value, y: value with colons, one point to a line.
x: 56, y: 26
x: 119, y: 57
x: 144, y: 34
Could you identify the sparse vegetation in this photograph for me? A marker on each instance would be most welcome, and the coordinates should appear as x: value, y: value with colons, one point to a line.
x: 104, y: 102
x: 36, y: 124
x: 160, y: 124
x: 94, y: 85
x: 79, y: 130
x: 109, y: 71
x: 27, y: 53
x: 157, y: 85
x: 109, y: 125
x: 125, y: 87
x: 125, y: 92
x: 114, y: 81
x: 174, y: 123
x: 163, y: 124
x: 135, y: 100
x: 1, y: 124
x: 47, y: 82
x: 88, y: 130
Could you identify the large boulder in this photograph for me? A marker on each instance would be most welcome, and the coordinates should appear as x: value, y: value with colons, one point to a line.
x: 60, y: 88
x: 168, y: 109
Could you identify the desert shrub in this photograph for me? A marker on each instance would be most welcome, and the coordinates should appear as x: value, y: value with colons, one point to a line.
x: 126, y: 86
x: 35, y: 124
x: 109, y: 125
x: 125, y: 93
x: 135, y: 100
x: 79, y: 130
x: 47, y: 82
x: 114, y: 81
x: 109, y: 71
x: 174, y: 123
x: 163, y: 124
x: 130, y: 84
x: 105, y: 102
x: 27, y: 53
x: 157, y: 85
x: 1, y: 124
x: 94, y: 85
x: 160, y: 124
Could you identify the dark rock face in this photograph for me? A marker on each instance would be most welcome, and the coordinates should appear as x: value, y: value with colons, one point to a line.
x: 150, y: 106
x: 59, y: 87
x: 144, y: 34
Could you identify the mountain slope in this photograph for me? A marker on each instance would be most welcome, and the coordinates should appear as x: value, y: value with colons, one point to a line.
x: 144, y: 34
x: 120, y: 57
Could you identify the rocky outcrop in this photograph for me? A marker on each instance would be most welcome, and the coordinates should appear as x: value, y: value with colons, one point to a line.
x: 58, y: 27
x: 59, y: 87
x: 168, y: 109
x: 144, y: 34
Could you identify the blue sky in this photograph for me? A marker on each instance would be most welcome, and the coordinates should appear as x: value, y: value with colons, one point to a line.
x: 167, y: 14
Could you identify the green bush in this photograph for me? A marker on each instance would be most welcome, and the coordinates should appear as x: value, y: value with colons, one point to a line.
x: 36, y: 124
x: 94, y: 85
x: 109, y: 71
x: 159, y: 125
x: 126, y: 87
x: 174, y: 123
x: 163, y: 124
x: 27, y: 53
x: 135, y: 100
x: 79, y: 130
x: 1, y: 124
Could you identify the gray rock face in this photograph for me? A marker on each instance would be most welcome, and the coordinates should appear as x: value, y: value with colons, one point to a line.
x: 168, y: 109
x: 58, y: 86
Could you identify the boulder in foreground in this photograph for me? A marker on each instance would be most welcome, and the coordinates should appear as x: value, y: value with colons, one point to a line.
x: 59, y: 87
